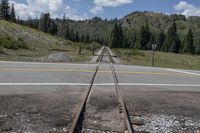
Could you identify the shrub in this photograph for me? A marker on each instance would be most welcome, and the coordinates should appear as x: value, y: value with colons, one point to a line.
x: 11, y: 43
x: 93, y: 45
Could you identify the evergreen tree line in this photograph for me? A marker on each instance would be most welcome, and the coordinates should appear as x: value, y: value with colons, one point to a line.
x: 144, y: 38
x: 116, y: 38
x: 7, y: 12
x: 58, y: 27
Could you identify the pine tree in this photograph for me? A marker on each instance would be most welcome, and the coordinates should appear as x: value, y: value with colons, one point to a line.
x: 172, y: 43
x: 188, y: 46
x: 5, y: 9
x: 160, y: 40
x: 0, y: 11
x: 114, y: 37
x: 66, y: 31
x: 175, y: 42
x: 87, y: 38
x: 132, y: 41
x: 77, y: 37
x: 151, y: 42
x: 47, y: 21
x: 41, y: 23
x: 125, y: 43
x: 53, y: 28
x: 12, y: 14
x: 143, y: 37
x: 44, y: 22
x: 120, y: 37
x: 82, y: 38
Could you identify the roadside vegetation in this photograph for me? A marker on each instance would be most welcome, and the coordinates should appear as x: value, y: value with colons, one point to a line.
x: 40, y: 40
x: 11, y: 43
x: 162, y: 59
x: 26, y: 44
x: 173, y: 35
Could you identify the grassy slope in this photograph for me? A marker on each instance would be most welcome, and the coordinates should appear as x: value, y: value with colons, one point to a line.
x: 40, y: 44
x: 167, y: 60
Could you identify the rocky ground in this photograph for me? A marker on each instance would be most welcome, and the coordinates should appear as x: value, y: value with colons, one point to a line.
x: 39, y: 113
x: 164, y: 112
x: 162, y: 123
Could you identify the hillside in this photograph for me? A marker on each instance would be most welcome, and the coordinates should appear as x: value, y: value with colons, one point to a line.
x: 158, y: 21
x: 22, y: 43
x: 97, y: 29
x: 132, y: 23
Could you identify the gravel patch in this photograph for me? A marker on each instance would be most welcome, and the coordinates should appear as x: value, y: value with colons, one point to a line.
x: 61, y: 56
x: 155, y: 123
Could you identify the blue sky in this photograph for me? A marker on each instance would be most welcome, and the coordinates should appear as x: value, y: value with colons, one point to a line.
x: 81, y: 9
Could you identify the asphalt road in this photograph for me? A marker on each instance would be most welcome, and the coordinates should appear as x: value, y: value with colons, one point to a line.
x: 146, y: 89
x: 16, y: 77
x: 163, y: 78
x: 52, y: 74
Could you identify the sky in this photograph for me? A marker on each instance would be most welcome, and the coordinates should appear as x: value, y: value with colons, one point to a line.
x: 84, y: 9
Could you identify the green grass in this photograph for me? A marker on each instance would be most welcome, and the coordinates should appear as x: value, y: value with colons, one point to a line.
x: 26, y: 44
x: 162, y: 59
x: 12, y: 43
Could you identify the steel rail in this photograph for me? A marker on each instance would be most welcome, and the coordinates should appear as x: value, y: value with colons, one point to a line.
x: 86, y: 95
x: 73, y: 128
x: 127, y: 119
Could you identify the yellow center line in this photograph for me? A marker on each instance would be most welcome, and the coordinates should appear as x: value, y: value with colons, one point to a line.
x: 91, y: 71
x: 45, y: 70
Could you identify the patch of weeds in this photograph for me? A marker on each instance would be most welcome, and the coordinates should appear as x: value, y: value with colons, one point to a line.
x: 12, y: 43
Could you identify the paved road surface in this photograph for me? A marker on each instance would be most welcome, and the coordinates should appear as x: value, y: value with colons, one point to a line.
x: 49, y: 73
x: 147, y: 90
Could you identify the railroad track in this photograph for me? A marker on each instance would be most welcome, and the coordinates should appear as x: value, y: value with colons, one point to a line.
x: 105, y: 57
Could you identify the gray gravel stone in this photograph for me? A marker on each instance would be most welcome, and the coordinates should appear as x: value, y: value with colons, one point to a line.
x: 61, y: 56
x: 167, y: 124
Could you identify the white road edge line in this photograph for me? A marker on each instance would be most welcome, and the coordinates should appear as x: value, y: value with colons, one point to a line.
x: 97, y: 84
x: 42, y: 84
x: 54, y: 84
x: 185, y: 72
x: 172, y: 85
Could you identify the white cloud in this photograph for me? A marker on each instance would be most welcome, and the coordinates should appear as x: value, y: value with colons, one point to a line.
x: 56, y: 8
x: 187, y: 9
x: 100, y: 4
x: 111, y: 3
x: 96, y: 9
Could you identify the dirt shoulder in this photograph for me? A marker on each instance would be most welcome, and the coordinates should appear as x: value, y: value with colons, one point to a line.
x: 40, y: 113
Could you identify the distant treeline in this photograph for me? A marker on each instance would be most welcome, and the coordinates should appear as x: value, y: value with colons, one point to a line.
x: 138, y: 30
x: 116, y: 35
x: 144, y: 39
x: 60, y: 27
